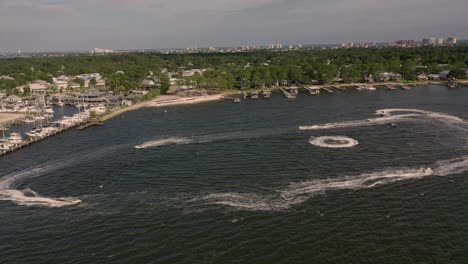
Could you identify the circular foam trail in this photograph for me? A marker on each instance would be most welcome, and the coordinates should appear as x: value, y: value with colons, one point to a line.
x: 333, y: 142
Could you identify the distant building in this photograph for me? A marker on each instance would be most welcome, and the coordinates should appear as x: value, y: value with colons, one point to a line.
x: 429, y: 41
x: 98, y: 50
x: 405, y: 43
x: 440, y: 42
x: 451, y: 41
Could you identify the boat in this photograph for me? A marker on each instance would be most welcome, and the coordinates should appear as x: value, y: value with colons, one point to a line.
x: 288, y: 94
x: 254, y: 95
x: 365, y: 88
x: 237, y: 100
x: 314, y: 92
x: 15, y: 139
x: 35, y: 133
x: 266, y: 94
x: 452, y: 85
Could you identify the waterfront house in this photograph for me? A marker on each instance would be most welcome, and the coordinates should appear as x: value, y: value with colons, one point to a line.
x: 422, y: 77
x: 433, y: 77
x: 444, y: 74
x: 92, y: 96
x: 390, y: 76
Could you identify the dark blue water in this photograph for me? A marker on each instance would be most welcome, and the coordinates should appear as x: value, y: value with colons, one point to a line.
x: 218, y: 197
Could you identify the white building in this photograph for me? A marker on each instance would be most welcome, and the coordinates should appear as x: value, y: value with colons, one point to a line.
x: 60, y: 84
x: 38, y: 87
x: 451, y: 41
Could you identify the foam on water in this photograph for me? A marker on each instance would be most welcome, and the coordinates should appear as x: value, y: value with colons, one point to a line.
x: 342, y: 142
x: 27, y: 197
x: 165, y: 142
x: 237, y: 135
x: 297, y: 193
x: 388, y: 116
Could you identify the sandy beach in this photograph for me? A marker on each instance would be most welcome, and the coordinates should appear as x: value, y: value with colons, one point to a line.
x: 9, y: 117
x: 165, y: 100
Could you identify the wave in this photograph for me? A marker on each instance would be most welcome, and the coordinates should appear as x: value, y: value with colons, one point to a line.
x: 388, y: 116
x: 27, y: 197
x: 298, y: 193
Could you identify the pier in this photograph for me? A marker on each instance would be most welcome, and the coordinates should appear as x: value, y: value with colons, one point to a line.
x: 313, y: 90
x: 90, y: 124
x: 33, y: 140
x: 326, y: 89
x: 287, y: 94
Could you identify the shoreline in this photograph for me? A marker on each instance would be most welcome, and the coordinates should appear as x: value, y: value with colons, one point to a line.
x: 173, y: 100
x: 165, y: 100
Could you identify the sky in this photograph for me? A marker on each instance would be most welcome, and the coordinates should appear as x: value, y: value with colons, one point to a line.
x: 79, y: 25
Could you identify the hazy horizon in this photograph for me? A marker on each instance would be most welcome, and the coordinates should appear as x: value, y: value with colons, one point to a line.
x: 72, y: 25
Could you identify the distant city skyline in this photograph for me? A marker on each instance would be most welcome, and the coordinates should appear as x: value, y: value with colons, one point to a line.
x: 80, y: 25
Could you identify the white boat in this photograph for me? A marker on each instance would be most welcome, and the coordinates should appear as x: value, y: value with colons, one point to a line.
x: 35, y: 133
x: 15, y: 139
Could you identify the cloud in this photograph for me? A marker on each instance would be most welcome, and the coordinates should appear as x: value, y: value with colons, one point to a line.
x: 126, y: 24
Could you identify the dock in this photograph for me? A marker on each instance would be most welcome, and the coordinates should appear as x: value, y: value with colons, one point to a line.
x: 326, y: 89
x: 90, y: 124
x: 287, y: 94
x: 31, y: 141
x: 313, y: 90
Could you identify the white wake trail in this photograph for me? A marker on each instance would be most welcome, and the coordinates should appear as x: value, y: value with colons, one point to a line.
x: 27, y: 197
x: 165, y: 142
x: 297, y: 193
